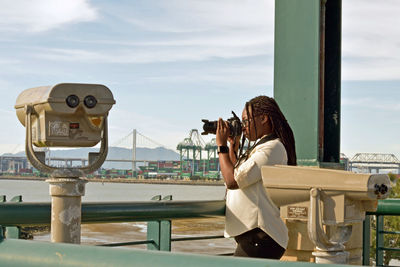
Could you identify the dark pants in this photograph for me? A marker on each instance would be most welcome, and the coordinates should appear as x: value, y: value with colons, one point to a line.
x: 258, y: 244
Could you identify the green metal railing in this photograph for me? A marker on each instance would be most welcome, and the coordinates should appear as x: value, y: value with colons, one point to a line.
x: 15, y: 252
x: 158, y: 214
x: 387, y: 207
x: 38, y: 213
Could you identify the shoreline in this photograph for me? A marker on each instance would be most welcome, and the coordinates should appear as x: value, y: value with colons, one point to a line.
x: 124, y: 180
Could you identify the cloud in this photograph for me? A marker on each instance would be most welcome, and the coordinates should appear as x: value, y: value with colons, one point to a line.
x: 178, y: 16
x: 43, y: 15
x: 168, y: 31
x: 371, y: 40
x: 151, y: 54
x: 216, y: 29
x: 228, y: 39
x: 372, y: 104
x: 9, y: 61
x: 251, y: 74
x: 371, y: 69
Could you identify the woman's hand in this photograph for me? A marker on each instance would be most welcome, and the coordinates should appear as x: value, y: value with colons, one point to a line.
x: 225, y: 162
x: 222, y: 133
x: 234, y: 142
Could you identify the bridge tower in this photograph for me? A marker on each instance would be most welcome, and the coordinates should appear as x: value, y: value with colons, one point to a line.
x: 134, y: 132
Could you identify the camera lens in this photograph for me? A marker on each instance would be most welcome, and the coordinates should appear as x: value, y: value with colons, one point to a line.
x: 72, y: 101
x: 209, y: 127
x: 90, y: 101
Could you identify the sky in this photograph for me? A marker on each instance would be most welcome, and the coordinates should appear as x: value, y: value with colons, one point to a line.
x: 172, y: 63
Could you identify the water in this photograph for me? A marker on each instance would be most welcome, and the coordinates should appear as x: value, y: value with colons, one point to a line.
x: 94, y: 234
x: 38, y: 191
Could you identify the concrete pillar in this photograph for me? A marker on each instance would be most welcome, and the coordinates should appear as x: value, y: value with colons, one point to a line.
x: 307, y: 80
x: 66, y: 194
x: 307, y: 65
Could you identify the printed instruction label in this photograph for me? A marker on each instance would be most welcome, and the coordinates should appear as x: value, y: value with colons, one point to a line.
x: 58, y: 128
x: 297, y: 212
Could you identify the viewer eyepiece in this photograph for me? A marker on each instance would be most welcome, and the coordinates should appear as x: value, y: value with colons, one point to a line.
x: 90, y: 101
x: 72, y: 101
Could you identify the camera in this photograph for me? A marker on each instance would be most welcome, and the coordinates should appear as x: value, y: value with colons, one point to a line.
x: 234, y: 123
x: 66, y: 114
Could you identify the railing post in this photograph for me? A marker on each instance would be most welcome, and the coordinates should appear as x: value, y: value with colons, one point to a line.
x: 153, y: 231
x: 159, y: 231
x: 165, y: 229
x: 379, y: 240
x: 3, y: 198
x: 14, y: 231
x: 366, y: 239
x: 11, y: 231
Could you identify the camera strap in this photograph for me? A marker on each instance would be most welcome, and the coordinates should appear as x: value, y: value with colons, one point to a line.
x: 263, y: 140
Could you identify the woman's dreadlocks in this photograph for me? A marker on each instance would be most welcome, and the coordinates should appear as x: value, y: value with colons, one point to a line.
x: 264, y: 105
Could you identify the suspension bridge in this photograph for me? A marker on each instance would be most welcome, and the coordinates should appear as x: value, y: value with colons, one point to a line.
x: 138, y: 154
x: 196, y: 158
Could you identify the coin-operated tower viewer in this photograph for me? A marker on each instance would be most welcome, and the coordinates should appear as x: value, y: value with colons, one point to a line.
x: 65, y: 115
x: 328, y: 203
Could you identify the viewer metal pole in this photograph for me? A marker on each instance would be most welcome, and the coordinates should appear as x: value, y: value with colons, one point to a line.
x: 66, y: 194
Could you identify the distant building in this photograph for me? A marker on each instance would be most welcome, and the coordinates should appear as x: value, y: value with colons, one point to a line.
x: 12, y: 164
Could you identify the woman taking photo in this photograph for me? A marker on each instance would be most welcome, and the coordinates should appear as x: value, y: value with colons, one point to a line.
x: 251, y: 217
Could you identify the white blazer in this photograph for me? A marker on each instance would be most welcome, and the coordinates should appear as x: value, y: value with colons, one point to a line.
x: 249, y: 206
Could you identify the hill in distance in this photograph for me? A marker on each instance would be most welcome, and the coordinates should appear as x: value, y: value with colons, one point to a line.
x: 149, y: 154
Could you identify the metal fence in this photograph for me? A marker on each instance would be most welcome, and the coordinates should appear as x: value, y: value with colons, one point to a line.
x: 159, y: 212
x: 14, y: 252
x: 387, y: 207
